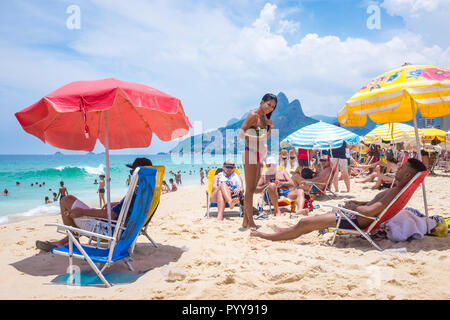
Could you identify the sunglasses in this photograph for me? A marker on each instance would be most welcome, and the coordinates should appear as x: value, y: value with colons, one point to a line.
x: 229, y: 167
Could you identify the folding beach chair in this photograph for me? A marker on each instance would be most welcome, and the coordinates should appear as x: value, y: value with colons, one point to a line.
x: 321, y: 188
x: 153, y: 206
x: 394, y: 207
x: 209, y: 204
x: 121, y: 243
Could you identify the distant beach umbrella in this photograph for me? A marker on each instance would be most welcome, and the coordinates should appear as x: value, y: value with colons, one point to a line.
x: 429, y: 134
x: 393, y: 132
x: 117, y: 113
x: 321, y: 135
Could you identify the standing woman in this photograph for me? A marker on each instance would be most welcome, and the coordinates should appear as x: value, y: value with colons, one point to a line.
x: 255, y: 130
x: 101, y: 191
x: 292, y: 156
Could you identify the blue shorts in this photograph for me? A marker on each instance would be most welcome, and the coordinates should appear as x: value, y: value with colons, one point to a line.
x: 281, y: 192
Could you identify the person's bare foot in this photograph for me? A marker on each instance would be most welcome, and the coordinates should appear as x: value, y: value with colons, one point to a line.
x: 233, y: 203
x: 304, y: 211
x: 278, y: 213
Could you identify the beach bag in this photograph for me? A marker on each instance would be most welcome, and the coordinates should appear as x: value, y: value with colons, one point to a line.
x: 307, y: 173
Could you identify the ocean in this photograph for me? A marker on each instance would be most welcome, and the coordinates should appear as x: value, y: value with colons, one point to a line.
x: 40, y: 176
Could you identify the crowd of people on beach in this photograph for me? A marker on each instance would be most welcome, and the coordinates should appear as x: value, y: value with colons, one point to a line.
x: 294, y: 173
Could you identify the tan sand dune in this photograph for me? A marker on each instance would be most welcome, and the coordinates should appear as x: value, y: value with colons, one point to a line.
x: 202, y: 258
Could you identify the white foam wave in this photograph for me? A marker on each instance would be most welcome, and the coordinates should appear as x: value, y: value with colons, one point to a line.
x: 90, y: 170
x: 41, y: 211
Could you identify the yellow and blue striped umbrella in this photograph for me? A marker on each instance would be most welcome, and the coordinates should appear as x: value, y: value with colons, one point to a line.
x: 396, y: 95
x: 394, y: 132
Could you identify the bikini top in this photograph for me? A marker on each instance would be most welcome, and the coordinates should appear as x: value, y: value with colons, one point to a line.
x: 258, y: 129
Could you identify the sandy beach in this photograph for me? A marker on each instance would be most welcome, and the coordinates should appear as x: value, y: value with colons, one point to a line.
x: 202, y: 258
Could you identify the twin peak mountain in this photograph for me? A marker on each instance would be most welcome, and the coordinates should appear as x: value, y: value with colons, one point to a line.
x: 288, y: 117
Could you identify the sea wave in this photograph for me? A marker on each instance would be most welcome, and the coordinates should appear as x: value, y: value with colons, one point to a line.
x: 61, y: 171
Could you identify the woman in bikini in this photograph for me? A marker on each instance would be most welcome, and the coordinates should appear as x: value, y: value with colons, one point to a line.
x: 284, y: 157
x: 101, y: 191
x: 292, y: 156
x: 255, y: 130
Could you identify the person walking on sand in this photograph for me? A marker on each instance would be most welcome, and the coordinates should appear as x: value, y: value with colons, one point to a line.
x: 255, y: 130
x: 101, y: 191
x: 62, y: 191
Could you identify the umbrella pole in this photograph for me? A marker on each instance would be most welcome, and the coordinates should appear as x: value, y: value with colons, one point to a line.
x: 108, y: 185
x: 420, y: 158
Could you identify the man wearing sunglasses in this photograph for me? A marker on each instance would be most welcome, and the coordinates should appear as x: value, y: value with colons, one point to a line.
x: 226, y: 187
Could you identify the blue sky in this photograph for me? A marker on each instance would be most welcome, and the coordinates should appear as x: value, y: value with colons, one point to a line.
x: 218, y: 57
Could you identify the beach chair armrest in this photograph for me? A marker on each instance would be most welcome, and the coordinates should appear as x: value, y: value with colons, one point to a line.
x: 64, y: 228
x: 313, y: 182
x: 349, y: 211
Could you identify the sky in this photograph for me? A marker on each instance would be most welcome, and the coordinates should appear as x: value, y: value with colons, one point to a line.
x: 218, y: 57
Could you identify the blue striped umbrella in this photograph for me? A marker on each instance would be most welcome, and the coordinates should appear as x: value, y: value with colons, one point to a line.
x: 321, y: 135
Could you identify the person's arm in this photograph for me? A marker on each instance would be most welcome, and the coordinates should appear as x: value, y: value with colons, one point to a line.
x: 91, y: 212
x: 288, y: 183
x: 250, y: 121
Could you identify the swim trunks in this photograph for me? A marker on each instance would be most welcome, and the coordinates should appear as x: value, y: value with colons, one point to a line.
x: 345, y: 224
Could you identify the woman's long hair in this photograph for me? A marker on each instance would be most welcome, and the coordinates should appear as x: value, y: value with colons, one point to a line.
x: 268, y: 97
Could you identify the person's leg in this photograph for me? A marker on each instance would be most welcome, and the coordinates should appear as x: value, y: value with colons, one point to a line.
x: 251, y: 175
x: 336, y: 175
x: 343, y: 164
x: 226, y: 193
x: 299, y: 197
x: 304, y: 226
x: 220, y: 204
x: 65, y: 204
x: 273, y: 196
x: 369, y: 178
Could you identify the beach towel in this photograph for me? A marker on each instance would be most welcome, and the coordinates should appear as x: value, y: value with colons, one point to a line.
x: 409, y: 223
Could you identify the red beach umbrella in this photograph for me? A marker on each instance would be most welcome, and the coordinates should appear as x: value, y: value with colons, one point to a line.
x: 120, y: 114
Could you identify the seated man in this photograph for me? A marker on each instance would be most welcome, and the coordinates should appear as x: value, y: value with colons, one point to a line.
x: 226, y: 187
x: 278, y: 183
x: 321, y: 178
x: 77, y: 214
x: 370, y: 208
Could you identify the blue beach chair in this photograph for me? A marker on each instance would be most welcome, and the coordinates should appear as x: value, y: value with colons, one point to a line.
x: 121, y: 243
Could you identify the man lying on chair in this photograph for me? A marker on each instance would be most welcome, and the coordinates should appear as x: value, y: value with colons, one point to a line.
x: 77, y: 214
x: 278, y: 182
x: 370, y: 208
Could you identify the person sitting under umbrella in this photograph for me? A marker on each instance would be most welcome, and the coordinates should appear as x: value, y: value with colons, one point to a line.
x: 77, y: 214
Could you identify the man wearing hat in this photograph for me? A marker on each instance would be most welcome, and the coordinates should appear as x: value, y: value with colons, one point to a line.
x: 77, y: 214
x: 226, y: 187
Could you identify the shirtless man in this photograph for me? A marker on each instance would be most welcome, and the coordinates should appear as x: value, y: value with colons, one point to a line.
x: 370, y: 208
x: 320, y: 179
x: 279, y: 182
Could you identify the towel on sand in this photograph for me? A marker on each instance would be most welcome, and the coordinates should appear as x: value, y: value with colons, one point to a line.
x: 408, y: 223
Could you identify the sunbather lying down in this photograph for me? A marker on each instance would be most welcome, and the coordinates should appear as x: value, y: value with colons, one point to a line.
x: 77, y: 214
x: 371, y: 208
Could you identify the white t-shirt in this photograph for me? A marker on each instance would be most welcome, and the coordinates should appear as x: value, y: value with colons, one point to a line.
x: 233, y: 179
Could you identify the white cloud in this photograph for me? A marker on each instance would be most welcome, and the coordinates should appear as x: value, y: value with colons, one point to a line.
x: 218, y: 69
x: 429, y: 18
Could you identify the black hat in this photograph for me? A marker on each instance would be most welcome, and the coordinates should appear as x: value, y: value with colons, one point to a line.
x: 138, y: 162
